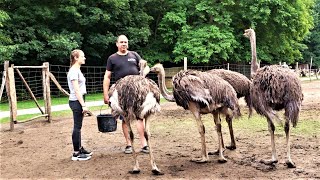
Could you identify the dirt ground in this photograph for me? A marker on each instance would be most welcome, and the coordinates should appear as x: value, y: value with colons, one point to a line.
x: 38, y: 149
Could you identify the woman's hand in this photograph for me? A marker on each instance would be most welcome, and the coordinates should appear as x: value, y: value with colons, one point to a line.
x: 85, y: 109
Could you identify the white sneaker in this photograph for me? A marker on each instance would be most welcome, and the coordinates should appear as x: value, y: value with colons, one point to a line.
x: 80, y: 157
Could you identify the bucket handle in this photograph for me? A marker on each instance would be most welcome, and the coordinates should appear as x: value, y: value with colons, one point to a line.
x: 101, y: 108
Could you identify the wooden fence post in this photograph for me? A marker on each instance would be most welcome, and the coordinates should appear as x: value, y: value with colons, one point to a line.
x: 11, y: 93
x: 46, y: 90
x: 4, y: 77
x: 185, y: 63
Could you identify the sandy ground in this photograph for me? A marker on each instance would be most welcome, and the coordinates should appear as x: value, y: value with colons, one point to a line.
x: 38, y: 149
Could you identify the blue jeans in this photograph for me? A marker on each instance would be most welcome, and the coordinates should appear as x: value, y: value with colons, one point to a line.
x: 77, y: 124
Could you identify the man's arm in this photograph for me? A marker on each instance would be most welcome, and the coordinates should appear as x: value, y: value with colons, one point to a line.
x: 106, y: 84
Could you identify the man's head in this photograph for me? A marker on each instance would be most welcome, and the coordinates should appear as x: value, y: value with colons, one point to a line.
x: 122, y: 44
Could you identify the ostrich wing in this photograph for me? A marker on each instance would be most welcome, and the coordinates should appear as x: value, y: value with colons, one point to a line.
x: 188, y: 86
x: 135, y: 96
x: 238, y: 81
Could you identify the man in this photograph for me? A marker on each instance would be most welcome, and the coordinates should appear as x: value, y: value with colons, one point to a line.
x: 123, y: 63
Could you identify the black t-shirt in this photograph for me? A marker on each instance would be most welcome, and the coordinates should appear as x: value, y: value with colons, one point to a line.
x: 123, y: 65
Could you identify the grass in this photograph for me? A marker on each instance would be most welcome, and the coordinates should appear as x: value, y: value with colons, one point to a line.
x: 308, y: 79
x: 257, y: 123
x: 305, y: 127
x: 55, y: 101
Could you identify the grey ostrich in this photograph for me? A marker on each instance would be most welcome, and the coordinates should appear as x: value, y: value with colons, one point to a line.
x: 241, y: 84
x: 275, y: 88
x: 201, y: 93
x: 136, y: 98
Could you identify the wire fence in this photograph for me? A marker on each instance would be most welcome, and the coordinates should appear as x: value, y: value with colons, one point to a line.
x: 94, y: 78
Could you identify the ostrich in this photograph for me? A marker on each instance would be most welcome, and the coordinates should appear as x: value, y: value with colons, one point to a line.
x: 136, y: 98
x: 241, y: 84
x: 201, y: 93
x: 275, y: 88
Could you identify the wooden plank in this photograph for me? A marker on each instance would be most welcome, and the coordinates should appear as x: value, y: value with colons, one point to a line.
x: 29, y: 90
x: 12, y: 96
x: 47, y: 90
x: 4, y: 75
x: 29, y: 67
x: 57, y: 84
x: 44, y: 88
x: 6, y: 66
x: 43, y: 115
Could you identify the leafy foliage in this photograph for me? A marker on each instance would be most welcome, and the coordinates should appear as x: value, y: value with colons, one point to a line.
x: 313, y: 39
x: 207, y: 32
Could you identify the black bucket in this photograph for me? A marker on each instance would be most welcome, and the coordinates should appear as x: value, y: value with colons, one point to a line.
x: 106, y: 123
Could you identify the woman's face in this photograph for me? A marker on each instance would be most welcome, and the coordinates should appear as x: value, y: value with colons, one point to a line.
x: 81, y: 58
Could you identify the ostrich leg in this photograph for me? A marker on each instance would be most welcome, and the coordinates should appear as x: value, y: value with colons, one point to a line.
x: 136, y: 168
x: 221, y: 159
x: 217, y: 151
x: 289, y: 162
x: 193, y: 108
x: 147, y: 135
x: 271, y: 128
x: 233, y: 142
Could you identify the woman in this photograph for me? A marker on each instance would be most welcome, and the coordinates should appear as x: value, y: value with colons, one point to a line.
x: 77, y: 87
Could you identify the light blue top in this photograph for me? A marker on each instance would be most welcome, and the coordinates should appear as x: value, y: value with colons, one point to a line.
x: 76, y: 74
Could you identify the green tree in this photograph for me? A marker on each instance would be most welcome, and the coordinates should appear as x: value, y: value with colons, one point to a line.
x: 280, y: 27
x: 49, y: 30
x: 199, y: 30
x: 313, y: 40
x: 6, y: 52
x: 210, y: 32
x: 33, y: 31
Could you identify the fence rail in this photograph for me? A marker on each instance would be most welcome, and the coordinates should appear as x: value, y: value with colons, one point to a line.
x: 94, y: 78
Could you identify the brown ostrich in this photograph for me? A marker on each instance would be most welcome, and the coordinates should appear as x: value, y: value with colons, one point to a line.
x: 275, y: 88
x: 135, y: 98
x: 201, y: 93
x: 241, y: 84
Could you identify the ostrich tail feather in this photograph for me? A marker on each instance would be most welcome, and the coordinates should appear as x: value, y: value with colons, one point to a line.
x: 292, y: 112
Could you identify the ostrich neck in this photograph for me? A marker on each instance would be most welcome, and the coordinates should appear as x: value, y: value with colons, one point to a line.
x: 254, y: 64
x: 163, y: 89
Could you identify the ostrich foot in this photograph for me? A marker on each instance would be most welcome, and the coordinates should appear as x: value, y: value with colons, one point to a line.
x: 199, y: 160
x: 222, y: 160
x: 269, y: 162
x: 135, y: 171
x: 290, y: 164
x: 231, y: 147
x: 157, y: 172
x: 215, y: 152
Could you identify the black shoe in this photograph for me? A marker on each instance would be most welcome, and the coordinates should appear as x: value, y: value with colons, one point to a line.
x: 80, y: 157
x: 145, y: 149
x: 83, y: 151
x: 128, y: 150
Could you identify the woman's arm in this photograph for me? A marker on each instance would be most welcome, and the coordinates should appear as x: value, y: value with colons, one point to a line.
x: 79, y: 96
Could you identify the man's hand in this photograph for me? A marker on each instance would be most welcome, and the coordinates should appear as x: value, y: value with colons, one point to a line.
x: 106, y: 99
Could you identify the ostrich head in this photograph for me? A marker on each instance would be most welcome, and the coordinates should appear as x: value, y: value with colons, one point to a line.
x: 159, y: 70
x: 144, y: 68
x: 248, y: 33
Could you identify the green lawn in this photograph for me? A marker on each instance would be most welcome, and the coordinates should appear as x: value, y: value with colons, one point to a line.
x: 54, y: 101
